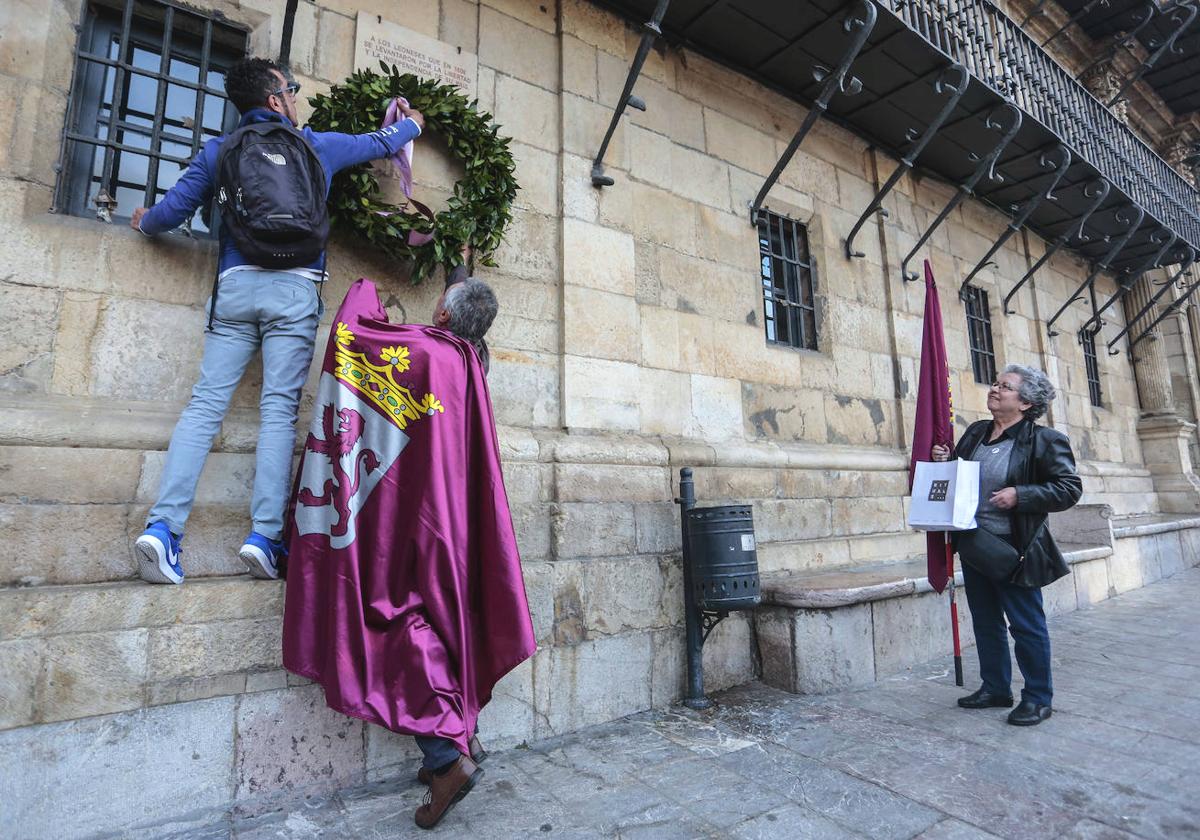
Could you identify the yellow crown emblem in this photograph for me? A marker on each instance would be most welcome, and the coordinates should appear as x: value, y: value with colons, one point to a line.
x: 377, y: 382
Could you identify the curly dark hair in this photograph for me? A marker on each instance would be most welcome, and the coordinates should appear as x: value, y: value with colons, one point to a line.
x: 250, y: 82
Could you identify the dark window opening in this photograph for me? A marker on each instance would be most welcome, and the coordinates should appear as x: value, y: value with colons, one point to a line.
x: 1087, y: 340
x: 789, y: 304
x: 148, y: 92
x: 979, y: 334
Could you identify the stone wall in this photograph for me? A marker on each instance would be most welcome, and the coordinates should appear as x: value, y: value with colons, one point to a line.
x: 630, y: 343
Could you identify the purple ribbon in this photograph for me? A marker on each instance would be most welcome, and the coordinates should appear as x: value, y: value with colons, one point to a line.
x: 402, y: 162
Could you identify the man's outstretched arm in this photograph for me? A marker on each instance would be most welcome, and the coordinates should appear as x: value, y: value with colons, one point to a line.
x: 193, y: 189
x: 344, y: 150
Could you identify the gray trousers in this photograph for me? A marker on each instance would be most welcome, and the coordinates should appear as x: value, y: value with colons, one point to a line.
x: 277, y: 312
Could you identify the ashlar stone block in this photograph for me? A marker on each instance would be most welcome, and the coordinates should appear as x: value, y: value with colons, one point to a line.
x: 192, y: 650
x: 833, y: 649
x: 738, y: 143
x: 20, y: 669
x: 596, y: 681
x: 595, y: 598
x: 289, y: 741
x: 526, y: 112
x: 67, y: 475
x: 908, y: 631
x: 599, y: 324
x: 593, y: 529
x: 611, y: 483
x: 600, y: 394
x: 59, y: 778
x: 717, y: 407
x: 86, y: 674
x: 535, y: 61
x: 35, y: 552
x: 598, y: 257
x: 1091, y: 582
x: 665, y: 402
x: 729, y: 655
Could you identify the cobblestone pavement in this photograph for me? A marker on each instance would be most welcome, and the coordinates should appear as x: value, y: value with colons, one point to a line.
x: 1120, y: 758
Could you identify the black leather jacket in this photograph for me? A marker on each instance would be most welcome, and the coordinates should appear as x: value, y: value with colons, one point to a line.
x: 1042, y: 469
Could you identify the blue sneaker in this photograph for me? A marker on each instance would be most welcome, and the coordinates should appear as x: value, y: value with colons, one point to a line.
x: 262, y: 556
x: 157, y: 552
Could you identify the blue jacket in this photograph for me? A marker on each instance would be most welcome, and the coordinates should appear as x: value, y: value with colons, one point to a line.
x: 337, y: 151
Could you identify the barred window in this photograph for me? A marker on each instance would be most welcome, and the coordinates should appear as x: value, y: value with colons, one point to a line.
x: 789, y: 305
x: 1087, y: 340
x: 148, y: 91
x: 979, y: 333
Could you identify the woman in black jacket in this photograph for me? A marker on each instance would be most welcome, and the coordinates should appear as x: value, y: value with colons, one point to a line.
x: 1026, y: 471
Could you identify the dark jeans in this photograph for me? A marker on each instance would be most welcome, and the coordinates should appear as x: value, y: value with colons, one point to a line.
x: 438, y: 751
x: 990, y: 604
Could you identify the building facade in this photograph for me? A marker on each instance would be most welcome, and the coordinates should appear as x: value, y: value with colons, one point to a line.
x: 645, y: 326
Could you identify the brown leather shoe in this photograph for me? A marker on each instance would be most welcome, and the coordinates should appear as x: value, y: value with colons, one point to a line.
x: 478, y: 755
x: 445, y: 790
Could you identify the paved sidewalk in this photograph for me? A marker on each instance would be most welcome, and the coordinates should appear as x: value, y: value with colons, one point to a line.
x: 1120, y: 758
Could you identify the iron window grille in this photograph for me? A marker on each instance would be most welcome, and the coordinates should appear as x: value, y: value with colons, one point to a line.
x: 789, y: 303
x: 979, y: 334
x: 148, y: 91
x: 1087, y: 340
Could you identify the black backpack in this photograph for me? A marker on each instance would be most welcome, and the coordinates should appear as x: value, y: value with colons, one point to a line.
x: 271, y: 193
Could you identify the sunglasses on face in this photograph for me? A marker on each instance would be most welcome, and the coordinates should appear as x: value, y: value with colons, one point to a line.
x: 293, y: 89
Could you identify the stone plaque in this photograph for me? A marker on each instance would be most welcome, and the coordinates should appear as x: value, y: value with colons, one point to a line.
x: 378, y: 40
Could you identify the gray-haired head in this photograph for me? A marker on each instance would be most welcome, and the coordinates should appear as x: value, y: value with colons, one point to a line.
x: 1036, y: 390
x: 471, y: 306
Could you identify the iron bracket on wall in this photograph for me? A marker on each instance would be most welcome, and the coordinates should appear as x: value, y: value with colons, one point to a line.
x: 1122, y: 41
x: 1134, y: 221
x: 653, y: 31
x: 1182, y: 16
x: 986, y: 167
x: 1037, y: 11
x: 1167, y: 238
x: 1079, y: 15
x: 1018, y: 221
x: 1097, y: 191
x: 1186, y: 260
x: 858, y: 23
x: 945, y: 83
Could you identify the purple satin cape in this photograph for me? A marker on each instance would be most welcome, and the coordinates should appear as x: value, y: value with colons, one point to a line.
x: 405, y: 598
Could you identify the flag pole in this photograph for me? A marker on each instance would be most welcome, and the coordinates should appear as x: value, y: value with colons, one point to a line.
x: 958, y: 671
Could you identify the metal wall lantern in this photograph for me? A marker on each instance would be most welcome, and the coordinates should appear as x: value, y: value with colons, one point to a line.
x: 858, y: 23
x: 1131, y: 216
x: 987, y: 167
x: 953, y: 82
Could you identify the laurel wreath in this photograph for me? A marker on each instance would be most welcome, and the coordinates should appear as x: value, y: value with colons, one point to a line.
x: 479, y: 209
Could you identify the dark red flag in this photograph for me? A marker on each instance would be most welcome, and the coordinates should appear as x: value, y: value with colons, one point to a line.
x: 934, y: 423
x: 405, y: 598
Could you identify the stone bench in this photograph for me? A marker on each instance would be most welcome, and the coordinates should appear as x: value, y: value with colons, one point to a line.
x: 827, y: 630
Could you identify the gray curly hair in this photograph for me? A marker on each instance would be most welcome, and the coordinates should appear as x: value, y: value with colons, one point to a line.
x: 1036, y: 390
x: 472, y: 306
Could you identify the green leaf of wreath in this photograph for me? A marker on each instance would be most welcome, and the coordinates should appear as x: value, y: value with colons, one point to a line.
x: 480, y: 207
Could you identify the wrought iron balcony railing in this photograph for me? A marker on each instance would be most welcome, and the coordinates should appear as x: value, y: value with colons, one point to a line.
x: 998, y: 53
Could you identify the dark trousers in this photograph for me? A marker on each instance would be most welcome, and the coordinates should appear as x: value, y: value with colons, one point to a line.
x: 438, y: 751
x: 990, y: 604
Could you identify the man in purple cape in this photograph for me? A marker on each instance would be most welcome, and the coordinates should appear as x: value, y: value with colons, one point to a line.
x: 405, y: 599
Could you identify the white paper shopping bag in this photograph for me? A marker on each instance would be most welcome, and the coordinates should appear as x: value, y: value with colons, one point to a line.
x: 945, y: 495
